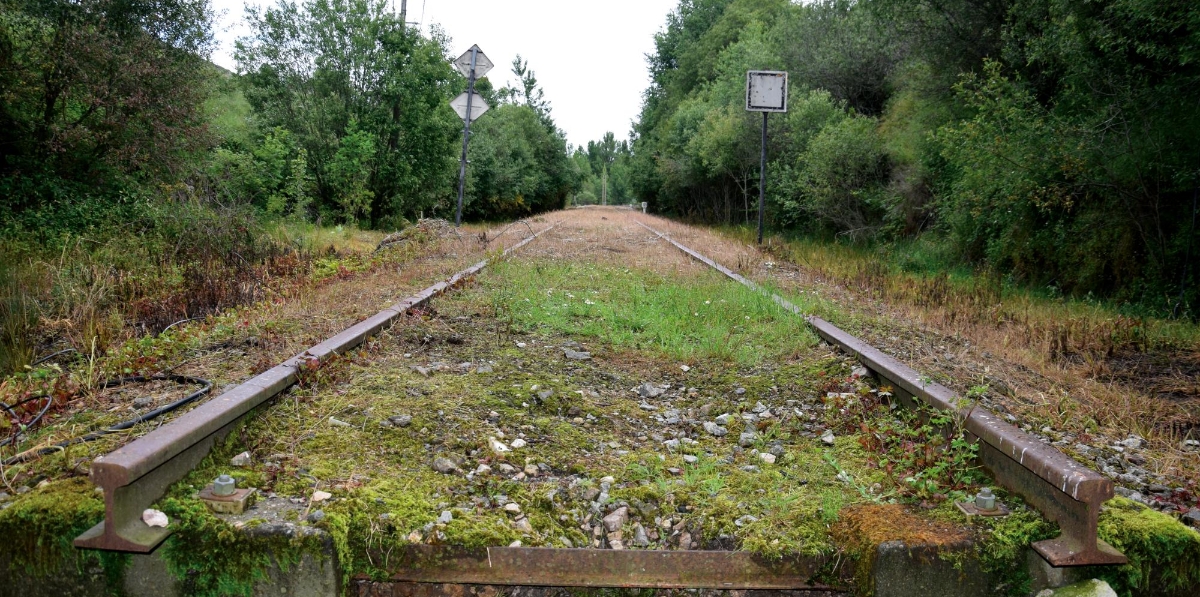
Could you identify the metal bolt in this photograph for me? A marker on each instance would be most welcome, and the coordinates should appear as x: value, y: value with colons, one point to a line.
x: 985, y: 500
x: 224, y: 485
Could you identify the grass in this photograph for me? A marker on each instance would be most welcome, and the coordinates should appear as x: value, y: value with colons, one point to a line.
x: 703, y: 318
x: 915, y: 274
x: 590, y: 426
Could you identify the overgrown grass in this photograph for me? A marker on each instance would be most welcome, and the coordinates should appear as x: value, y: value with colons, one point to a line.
x: 919, y: 274
x: 699, y: 318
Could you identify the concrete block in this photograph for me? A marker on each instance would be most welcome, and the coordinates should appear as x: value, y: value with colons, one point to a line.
x: 903, y: 571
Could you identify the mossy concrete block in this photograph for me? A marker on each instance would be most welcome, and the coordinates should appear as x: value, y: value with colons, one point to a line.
x: 1087, y: 588
x: 1044, y: 576
x: 922, y: 571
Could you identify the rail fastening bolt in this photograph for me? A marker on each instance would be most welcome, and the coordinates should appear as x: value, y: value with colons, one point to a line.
x: 985, y: 500
x: 224, y: 485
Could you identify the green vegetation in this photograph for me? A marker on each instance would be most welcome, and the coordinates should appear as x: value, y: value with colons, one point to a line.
x: 1164, y: 556
x: 700, y: 319
x: 140, y: 185
x: 1046, y: 142
x: 39, y: 529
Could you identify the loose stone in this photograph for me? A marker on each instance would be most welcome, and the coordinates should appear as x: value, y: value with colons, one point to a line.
x: 155, y: 518
x: 242, y: 459
x: 444, y: 465
x: 747, y: 438
x: 617, y: 519
x: 828, y: 437
x: 714, y: 429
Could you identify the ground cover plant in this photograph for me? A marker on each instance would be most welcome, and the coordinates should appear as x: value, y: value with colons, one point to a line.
x: 504, y: 414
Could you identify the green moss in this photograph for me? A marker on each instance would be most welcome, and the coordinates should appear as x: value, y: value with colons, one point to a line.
x: 1164, y: 555
x: 1003, y: 543
x: 212, y: 558
x: 39, y: 528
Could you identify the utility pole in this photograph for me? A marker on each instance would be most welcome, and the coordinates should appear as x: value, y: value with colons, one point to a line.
x: 604, y: 185
x: 403, y: 12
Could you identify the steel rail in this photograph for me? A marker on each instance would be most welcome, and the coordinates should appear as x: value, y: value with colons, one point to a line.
x: 563, y: 567
x: 137, y: 474
x: 1062, y: 489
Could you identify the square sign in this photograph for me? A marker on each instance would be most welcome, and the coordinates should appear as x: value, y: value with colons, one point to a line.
x: 766, y: 91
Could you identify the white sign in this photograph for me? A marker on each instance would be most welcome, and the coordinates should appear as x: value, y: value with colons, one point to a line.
x: 478, y: 106
x: 766, y: 91
x: 482, y: 64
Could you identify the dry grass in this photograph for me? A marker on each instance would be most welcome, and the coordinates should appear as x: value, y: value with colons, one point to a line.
x: 229, y: 347
x: 1089, y: 375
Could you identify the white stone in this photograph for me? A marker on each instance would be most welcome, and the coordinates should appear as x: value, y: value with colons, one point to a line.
x: 517, y: 444
x: 1087, y: 588
x: 828, y: 437
x: 155, y: 518
x: 497, y: 446
x: 767, y: 457
x: 512, y: 507
x: 320, y: 496
x: 242, y: 459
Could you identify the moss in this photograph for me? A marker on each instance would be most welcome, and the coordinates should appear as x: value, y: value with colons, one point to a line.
x: 1164, y: 555
x: 39, y: 528
x: 861, y: 529
x: 1003, y: 542
x: 212, y: 558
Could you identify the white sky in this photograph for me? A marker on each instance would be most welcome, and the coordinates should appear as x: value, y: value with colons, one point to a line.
x: 589, y: 56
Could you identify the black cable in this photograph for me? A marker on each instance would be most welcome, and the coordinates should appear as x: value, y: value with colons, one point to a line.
x: 95, y: 435
x: 50, y: 356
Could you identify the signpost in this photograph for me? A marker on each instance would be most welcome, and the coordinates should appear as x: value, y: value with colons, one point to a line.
x: 766, y: 92
x: 473, y: 64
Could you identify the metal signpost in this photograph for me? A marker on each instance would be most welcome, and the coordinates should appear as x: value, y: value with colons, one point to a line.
x: 766, y: 92
x: 473, y: 64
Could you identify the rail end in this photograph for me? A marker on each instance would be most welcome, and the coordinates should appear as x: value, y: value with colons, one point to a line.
x: 1067, y: 551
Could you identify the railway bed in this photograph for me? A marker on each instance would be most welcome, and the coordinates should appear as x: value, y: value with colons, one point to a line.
x: 519, y: 433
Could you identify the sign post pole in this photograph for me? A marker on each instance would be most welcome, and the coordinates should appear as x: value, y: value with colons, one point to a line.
x: 469, y: 106
x: 462, y: 162
x: 766, y: 92
x: 762, y: 179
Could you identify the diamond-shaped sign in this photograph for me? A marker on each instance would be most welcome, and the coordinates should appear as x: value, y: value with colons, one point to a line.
x: 478, y: 106
x: 482, y: 63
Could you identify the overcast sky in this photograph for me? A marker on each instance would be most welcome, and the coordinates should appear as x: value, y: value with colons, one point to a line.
x: 589, y: 57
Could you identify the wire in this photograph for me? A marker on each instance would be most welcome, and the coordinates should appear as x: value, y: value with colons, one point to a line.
x: 50, y: 356
x: 95, y: 435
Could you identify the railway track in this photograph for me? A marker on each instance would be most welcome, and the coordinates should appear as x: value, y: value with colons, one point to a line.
x: 136, y: 475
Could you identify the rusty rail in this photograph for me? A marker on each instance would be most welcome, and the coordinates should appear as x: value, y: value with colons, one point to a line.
x: 1062, y: 489
x: 137, y: 474
x: 560, y: 567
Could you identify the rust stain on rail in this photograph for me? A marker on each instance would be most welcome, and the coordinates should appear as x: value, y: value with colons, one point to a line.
x: 1062, y: 489
x: 559, y: 567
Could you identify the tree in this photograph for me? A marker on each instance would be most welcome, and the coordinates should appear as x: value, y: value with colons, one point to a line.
x: 365, y: 97
x: 97, y: 91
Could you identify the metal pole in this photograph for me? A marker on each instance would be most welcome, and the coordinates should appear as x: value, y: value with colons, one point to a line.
x: 462, y: 162
x: 762, y: 179
x: 403, y: 12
